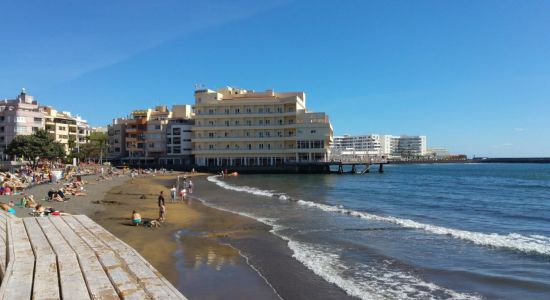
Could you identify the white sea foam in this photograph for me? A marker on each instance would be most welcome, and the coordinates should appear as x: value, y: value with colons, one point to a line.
x: 369, y: 283
x: 246, y: 189
x: 530, y: 244
x: 514, y: 241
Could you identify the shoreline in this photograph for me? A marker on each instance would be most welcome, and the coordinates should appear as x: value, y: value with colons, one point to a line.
x: 187, y: 248
x: 199, y: 246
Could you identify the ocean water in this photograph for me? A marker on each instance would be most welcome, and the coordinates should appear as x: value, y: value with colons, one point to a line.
x: 435, y: 231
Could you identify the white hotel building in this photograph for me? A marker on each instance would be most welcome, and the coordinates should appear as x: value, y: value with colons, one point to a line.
x: 381, y: 145
x: 237, y: 127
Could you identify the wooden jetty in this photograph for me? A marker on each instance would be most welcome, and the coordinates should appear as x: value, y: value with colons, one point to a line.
x: 72, y: 257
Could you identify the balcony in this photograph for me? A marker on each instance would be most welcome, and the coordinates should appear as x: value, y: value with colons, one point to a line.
x: 245, y: 115
x: 243, y: 151
x: 232, y: 127
x: 245, y: 139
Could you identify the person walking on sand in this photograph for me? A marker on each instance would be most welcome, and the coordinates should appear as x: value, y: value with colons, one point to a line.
x: 190, y: 185
x: 162, y: 207
x: 173, y: 193
x: 183, y: 193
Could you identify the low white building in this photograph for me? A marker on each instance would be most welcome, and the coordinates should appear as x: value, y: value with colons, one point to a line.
x: 370, y: 144
x: 382, y: 145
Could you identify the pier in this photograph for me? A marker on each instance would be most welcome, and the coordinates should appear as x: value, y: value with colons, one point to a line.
x: 355, y: 165
x: 72, y: 257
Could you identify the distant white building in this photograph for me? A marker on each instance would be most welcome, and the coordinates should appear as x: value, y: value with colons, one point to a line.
x: 382, y: 145
x: 368, y: 143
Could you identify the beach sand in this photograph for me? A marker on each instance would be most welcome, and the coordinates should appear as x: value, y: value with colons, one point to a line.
x: 205, y: 252
x: 186, y: 248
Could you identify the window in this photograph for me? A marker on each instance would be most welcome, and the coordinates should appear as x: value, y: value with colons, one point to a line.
x: 280, y: 122
x: 313, y: 131
x: 267, y: 122
x: 176, y: 141
x: 237, y: 122
x: 261, y: 146
x: 261, y: 122
x: 168, y: 140
x: 157, y: 127
x: 226, y: 123
x: 176, y: 131
x: 267, y: 133
x: 237, y: 110
x: 261, y: 134
x: 151, y: 145
x: 211, y: 135
x: 291, y: 121
x: 247, y: 133
x: 248, y: 122
x: 20, y: 119
x: 279, y: 109
x: 177, y: 150
x: 21, y: 129
x: 38, y: 120
x: 249, y: 146
x: 268, y: 146
x: 260, y: 110
x: 227, y: 111
x: 210, y: 111
x: 225, y: 134
x: 210, y: 147
x: 248, y: 110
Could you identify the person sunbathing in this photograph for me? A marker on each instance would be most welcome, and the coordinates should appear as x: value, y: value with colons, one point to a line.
x: 28, y: 201
x: 136, y: 218
x: 7, y: 208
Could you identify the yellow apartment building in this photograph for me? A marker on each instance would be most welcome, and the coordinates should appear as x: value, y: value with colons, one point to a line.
x: 66, y: 127
x: 238, y: 127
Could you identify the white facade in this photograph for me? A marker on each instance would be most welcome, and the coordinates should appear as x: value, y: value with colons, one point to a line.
x: 178, y: 142
x: 382, y: 145
x: 237, y: 127
x: 370, y: 144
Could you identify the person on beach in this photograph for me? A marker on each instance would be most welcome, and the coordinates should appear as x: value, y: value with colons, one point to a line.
x: 162, y: 207
x: 190, y: 185
x: 173, y: 193
x: 6, y: 207
x: 136, y: 218
x: 183, y: 193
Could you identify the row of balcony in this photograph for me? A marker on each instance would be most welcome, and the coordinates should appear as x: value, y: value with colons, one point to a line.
x: 245, y: 114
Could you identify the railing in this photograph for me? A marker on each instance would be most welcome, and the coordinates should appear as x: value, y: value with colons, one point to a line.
x: 359, y: 159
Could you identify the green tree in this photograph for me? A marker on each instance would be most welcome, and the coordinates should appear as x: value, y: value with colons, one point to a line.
x: 40, y: 144
x: 95, y: 147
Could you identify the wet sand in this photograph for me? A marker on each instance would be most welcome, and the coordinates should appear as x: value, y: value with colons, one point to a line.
x: 205, y: 252
x: 186, y: 248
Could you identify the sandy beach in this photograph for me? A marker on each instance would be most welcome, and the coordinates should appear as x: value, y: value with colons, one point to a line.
x: 205, y: 252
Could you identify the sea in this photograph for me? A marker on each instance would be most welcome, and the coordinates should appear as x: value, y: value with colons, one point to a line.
x: 423, y: 231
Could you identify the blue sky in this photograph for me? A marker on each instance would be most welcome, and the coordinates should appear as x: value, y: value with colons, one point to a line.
x: 474, y: 76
